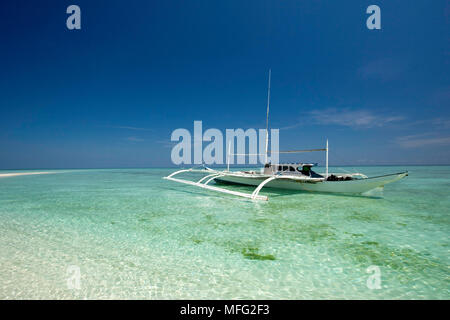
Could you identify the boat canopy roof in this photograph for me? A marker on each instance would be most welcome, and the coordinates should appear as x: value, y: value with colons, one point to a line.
x: 297, y: 164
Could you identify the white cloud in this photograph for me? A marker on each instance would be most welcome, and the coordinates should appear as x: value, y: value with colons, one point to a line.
x: 135, y: 139
x: 131, y: 128
x: 422, y: 140
x: 445, y: 123
x: 352, y: 118
x: 166, y: 143
x: 384, y: 69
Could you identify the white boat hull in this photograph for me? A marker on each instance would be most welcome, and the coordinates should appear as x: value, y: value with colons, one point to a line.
x: 349, y: 186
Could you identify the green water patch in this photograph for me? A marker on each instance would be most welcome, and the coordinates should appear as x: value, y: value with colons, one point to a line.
x: 325, y: 233
x: 196, y: 240
x: 355, y: 235
x: 370, y: 243
x: 209, y: 218
x: 301, y: 232
x: 249, y: 250
x: 364, y: 216
x: 436, y: 219
x: 253, y: 254
x: 406, y: 262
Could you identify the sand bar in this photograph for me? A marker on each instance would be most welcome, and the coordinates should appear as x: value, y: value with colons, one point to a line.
x: 4, y: 175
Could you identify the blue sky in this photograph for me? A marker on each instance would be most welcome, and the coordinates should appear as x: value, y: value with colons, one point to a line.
x: 110, y: 94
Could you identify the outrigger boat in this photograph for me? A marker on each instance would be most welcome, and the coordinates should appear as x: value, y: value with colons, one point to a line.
x: 298, y: 177
x: 289, y: 176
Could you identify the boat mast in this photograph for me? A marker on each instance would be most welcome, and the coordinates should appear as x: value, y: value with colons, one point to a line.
x: 228, y: 157
x: 326, y: 163
x: 267, y: 118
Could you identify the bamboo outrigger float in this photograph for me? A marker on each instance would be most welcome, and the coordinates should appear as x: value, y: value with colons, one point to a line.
x: 290, y: 176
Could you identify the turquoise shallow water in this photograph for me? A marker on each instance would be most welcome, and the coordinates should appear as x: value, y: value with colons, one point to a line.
x: 134, y: 235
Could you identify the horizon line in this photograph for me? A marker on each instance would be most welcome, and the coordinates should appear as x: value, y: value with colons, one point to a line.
x: 221, y: 166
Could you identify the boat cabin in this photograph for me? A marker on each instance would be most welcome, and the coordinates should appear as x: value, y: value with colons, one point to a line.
x: 291, y: 169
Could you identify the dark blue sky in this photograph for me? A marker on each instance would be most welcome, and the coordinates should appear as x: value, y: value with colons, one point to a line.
x: 110, y: 94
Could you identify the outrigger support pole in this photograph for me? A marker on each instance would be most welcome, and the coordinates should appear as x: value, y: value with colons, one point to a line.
x: 212, y: 188
x: 261, y: 185
x: 205, y: 186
